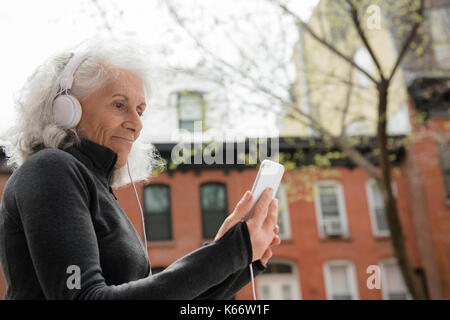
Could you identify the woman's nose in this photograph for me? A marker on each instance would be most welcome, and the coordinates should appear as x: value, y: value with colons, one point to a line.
x: 134, y: 124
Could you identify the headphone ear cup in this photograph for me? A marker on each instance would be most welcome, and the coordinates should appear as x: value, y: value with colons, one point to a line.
x: 66, y: 111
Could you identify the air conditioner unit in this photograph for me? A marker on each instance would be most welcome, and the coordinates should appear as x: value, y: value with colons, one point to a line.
x: 333, y: 228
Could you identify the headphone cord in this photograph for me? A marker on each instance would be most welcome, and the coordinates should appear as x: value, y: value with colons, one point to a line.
x: 144, y: 243
x: 253, y: 282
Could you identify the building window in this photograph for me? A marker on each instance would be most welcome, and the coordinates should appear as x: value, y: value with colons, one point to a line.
x: 340, y: 280
x: 157, y: 215
x: 363, y: 59
x: 190, y: 106
x: 444, y: 155
x: 283, y: 213
x: 356, y: 128
x: 392, y: 284
x: 376, y: 209
x: 157, y: 270
x: 214, y: 207
x: 330, y: 207
x: 279, y: 282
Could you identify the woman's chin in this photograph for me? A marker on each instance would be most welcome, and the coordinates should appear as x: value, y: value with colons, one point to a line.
x: 120, y: 163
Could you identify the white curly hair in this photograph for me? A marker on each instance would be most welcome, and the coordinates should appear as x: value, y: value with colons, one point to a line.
x: 35, y: 128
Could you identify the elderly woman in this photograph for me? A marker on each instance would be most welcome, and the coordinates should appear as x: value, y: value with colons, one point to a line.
x: 78, y: 134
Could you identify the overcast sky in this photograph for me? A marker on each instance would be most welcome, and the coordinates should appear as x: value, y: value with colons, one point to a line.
x: 32, y: 30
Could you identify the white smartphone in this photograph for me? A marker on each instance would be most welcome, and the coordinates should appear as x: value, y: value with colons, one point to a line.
x: 269, y: 176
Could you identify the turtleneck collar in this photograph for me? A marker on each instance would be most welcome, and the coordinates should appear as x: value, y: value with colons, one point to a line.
x: 96, y: 157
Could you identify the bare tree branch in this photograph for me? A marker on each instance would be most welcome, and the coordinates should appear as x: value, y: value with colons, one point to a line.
x: 102, y: 12
x: 358, y: 26
x: 225, y: 63
x: 347, y: 101
x: 409, y: 39
x: 323, y: 41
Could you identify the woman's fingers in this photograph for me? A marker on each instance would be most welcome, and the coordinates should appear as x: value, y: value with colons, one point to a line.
x: 260, y: 210
x: 272, y: 216
x: 266, y: 256
x: 275, y: 241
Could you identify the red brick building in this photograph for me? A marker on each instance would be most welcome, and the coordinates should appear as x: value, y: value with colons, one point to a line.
x: 329, y: 238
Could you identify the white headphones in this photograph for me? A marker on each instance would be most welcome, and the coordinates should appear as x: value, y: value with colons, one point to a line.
x: 67, y: 108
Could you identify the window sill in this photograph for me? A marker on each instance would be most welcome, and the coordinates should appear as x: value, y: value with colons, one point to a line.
x: 286, y: 241
x: 334, y: 239
x: 382, y: 237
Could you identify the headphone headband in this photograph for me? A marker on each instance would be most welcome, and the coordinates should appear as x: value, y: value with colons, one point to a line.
x: 69, y: 70
x: 66, y: 108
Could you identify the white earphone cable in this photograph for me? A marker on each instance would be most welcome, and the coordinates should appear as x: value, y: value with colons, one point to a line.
x: 144, y: 243
x: 253, y: 282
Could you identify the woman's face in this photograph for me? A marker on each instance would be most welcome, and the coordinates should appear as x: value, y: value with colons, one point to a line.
x: 111, y: 115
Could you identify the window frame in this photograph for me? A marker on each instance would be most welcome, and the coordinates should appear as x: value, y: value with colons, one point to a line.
x: 384, y: 284
x: 361, y: 54
x: 444, y: 171
x: 273, y: 277
x: 283, y: 199
x: 169, y: 213
x: 351, y: 277
x: 201, y: 206
x: 371, y: 204
x: 356, y: 127
x: 178, y: 95
x: 340, y: 204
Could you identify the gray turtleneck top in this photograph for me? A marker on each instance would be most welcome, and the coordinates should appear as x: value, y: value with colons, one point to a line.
x: 63, y: 235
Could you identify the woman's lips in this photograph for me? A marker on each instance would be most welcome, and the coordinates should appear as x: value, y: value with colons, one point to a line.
x: 124, y: 139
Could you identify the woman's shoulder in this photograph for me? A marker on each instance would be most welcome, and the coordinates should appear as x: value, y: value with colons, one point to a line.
x: 46, y: 163
x: 50, y: 158
x: 47, y: 169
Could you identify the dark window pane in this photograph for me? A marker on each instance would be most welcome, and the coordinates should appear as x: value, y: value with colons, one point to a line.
x: 156, y: 199
x: 397, y: 296
x: 381, y: 219
x: 342, y: 296
x: 156, y: 270
x: 328, y: 202
x: 214, y: 208
x: 211, y: 223
x: 190, y: 106
x: 186, y: 125
x: 444, y: 155
x: 213, y: 197
x: 157, y: 216
x: 278, y: 268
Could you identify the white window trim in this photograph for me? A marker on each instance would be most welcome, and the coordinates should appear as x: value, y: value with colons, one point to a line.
x: 341, y: 206
x: 371, y: 204
x: 384, y: 283
x: 286, y: 216
x: 362, y: 58
x: 295, y: 276
x: 351, y: 274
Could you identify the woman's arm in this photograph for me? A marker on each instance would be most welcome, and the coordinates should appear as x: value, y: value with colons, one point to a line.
x: 58, y: 226
x: 228, y: 288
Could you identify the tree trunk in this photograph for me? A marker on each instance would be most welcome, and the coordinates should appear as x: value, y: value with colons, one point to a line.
x: 390, y: 204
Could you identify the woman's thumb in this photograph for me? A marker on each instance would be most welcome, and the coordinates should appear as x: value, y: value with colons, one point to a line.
x: 243, y: 206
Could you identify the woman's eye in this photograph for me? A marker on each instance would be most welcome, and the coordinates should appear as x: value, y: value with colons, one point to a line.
x: 119, y: 105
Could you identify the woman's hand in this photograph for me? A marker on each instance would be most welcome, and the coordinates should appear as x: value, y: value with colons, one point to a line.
x: 262, y: 226
x: 239, y: 213
x: 262, y: 238
x: 268, y: 253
